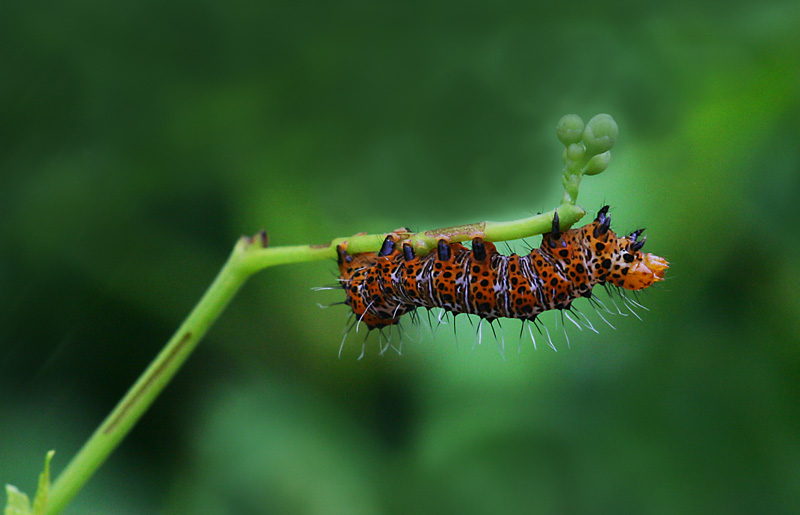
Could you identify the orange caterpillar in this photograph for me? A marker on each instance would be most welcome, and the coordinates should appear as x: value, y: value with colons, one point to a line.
x: 382, y: 287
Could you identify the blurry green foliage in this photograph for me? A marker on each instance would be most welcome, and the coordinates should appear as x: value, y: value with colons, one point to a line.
x: 140, y: 139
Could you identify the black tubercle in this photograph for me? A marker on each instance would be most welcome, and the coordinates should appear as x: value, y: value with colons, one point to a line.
x: 604, y: 222
x: 634, y: 237
x: 387, y: 247
x: 343, y: 255
x: 556, y: 232
x: 635, y: 234
x: 478, y: 249
x: 408, y: 252
x: 602, y: 214
x: 444, y: 250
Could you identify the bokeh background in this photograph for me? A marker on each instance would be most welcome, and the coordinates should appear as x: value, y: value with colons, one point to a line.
x: 139, y: 140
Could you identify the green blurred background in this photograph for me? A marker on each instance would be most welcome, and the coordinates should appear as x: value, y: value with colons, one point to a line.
x: 140, y: 139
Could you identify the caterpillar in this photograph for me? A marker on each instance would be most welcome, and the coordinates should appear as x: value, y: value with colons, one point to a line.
x: 381, y: 287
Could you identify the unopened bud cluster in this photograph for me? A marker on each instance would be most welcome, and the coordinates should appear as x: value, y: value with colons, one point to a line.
x: 587, y: 145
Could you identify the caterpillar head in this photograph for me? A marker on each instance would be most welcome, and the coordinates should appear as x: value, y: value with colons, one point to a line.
x: 645, y: 270
x: 638, y: 269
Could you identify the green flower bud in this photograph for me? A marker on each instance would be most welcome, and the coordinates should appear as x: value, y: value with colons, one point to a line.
x: 597, y: 164
x: 600, y: 134
x: 574, y: 152
x: 570, y: 129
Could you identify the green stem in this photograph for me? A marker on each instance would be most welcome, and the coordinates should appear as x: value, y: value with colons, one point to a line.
x: 248, y: 257
x: 114, y: 428
x: 251, y: 255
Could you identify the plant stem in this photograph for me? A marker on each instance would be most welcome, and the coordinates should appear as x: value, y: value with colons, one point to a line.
x: 114, y: 428
x: 251, y: 255
x: 248, y: 257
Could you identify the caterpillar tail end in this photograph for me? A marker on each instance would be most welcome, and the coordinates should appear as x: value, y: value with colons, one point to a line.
x: 648, y: 270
